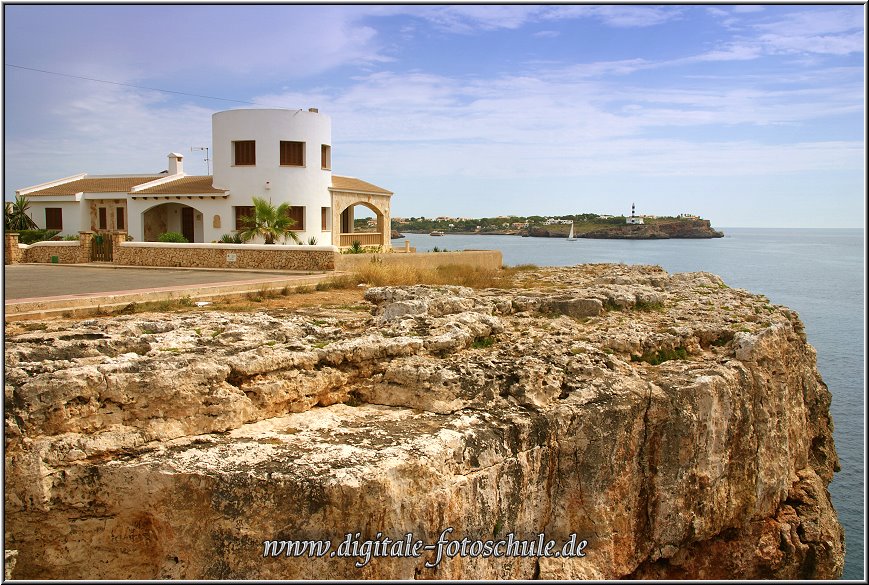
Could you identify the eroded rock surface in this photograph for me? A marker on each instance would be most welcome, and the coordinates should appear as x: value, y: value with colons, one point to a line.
x: 676, y: 424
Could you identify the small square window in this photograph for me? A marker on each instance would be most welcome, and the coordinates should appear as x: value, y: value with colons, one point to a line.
x: 297, y: 214
x: 244, y: 152
x: 53, y: 218
x: 292, y: 154
x: 242, y: 213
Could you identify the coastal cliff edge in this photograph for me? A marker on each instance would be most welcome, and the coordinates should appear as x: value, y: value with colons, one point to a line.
x: 677, y: 425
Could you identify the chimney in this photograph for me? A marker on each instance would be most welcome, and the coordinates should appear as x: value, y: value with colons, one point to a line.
x: 314, y: 110
x: 176, y: 166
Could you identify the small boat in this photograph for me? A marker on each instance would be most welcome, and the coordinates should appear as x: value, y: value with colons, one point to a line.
x: 436, y: 233
x: 570, y: 237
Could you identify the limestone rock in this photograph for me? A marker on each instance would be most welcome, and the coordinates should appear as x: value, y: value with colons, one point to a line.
x: 678, y: 425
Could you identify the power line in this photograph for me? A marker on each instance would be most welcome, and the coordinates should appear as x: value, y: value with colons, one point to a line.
x: 208, y: 97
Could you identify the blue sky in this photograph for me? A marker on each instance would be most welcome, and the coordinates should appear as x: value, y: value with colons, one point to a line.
x: 747, y: 115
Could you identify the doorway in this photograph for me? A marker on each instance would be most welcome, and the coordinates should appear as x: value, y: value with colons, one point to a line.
x: 187, y: 229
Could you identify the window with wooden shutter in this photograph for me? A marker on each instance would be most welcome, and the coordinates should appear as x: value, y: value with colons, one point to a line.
x: 104, y: 221
x: 297, y: 213
x: 53, y: 218
x: 292, y: 153
x: 244, y: 152
x: 325, y: 157
x: 323, y: 218
x: 242, y: 213
x: 119, y: 218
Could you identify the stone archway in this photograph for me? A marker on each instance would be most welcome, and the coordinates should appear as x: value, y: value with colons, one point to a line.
x: 172, y: 217
x: 343, y: 232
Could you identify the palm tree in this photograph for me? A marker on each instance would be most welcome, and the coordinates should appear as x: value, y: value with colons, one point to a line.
x: 15, y: 216
x: 269, y: 221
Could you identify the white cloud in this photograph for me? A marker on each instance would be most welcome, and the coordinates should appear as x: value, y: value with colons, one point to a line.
x: 471, y: 18
x: 834, y: 31
x: 620, y: 16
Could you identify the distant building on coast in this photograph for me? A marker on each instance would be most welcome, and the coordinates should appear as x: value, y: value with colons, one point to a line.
x: 280, y: 155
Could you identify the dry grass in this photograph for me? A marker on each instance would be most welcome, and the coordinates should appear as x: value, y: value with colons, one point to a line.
x: 376, y: 274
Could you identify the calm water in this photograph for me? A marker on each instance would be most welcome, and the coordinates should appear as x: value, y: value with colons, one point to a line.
x: 817, y: 272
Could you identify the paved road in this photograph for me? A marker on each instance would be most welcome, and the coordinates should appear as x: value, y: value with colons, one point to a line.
x: 22, y: 281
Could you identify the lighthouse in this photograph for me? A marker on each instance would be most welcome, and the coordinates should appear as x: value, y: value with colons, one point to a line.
x: 633, y: 219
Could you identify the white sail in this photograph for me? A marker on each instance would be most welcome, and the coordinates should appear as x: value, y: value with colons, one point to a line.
x: 570, y: 235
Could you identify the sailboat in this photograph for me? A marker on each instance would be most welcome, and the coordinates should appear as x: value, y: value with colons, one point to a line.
x: 570, y: 237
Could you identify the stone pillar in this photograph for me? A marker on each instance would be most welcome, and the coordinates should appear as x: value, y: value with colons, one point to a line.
x: 84, y: 246
x: 11, y: 252
x: 117, y: 238
x: 407, y: 246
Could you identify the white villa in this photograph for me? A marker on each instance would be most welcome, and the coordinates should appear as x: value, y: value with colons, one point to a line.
x: 280, y: 155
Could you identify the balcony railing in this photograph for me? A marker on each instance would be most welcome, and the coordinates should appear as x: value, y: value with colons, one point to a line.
x: 364, y: 239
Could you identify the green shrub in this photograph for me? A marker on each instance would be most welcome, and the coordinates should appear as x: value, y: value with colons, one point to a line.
x: 33, y: 236
x: 71, y: 238
x: 483, y: 343
x: 312, y: 241
x: 230, y: 239
x: 172, y: 238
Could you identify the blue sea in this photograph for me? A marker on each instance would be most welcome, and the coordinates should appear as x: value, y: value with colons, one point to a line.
x: 817, y: 272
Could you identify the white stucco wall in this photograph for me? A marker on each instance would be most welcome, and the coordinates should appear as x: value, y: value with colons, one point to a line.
x: 75, y: 215
x: 306, y: 186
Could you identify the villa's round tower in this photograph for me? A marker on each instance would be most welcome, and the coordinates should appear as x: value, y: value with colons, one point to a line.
x: 281, y: 155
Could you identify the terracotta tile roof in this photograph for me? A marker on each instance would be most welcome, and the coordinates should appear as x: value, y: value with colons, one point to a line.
x: 191, y: 185
x: 354, y: 184
x: 96, y: 185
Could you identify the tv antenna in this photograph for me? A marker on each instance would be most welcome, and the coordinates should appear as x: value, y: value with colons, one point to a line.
x: 207, y: 160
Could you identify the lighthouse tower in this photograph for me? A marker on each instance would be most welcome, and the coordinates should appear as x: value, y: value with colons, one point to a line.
x: 633, y: 219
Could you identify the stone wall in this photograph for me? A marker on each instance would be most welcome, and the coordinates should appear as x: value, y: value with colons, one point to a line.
x: 485, y: 259
x: 66, y: 252
x: 250, y: 256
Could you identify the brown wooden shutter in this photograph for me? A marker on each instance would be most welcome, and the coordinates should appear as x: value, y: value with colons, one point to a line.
x: 323, y: 213
x: 104, y: 222
x: 292, y: 153
x: 297, y: 213
x: 53, y: 218
x: 241, y: 214
x: 245, y: 152
x: 119, y: 218
x: 325, y: 156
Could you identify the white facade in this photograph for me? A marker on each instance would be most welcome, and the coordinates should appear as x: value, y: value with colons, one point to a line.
x: 279, y: 155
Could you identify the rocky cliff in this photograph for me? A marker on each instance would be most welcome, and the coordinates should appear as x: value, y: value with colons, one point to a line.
x: 675, y: 424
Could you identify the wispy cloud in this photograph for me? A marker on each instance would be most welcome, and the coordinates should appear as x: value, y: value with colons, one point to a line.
x: 617, y: 15
x: 833, y: 31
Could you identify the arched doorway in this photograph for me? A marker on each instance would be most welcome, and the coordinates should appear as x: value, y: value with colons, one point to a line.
x: 362, y: 222
x: 173, y: 217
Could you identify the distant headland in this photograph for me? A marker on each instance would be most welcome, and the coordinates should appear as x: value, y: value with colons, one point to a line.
x: 586, y: 225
